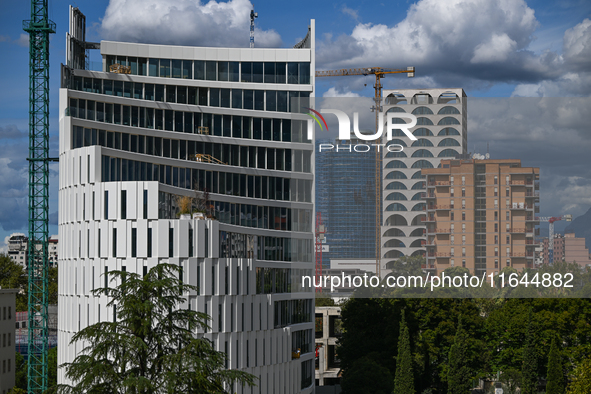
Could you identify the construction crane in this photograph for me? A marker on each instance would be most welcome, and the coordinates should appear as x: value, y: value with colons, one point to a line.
x: 377, y: 108
x: 39, y: 27
x: 253, y: 16
x: 551, y: 220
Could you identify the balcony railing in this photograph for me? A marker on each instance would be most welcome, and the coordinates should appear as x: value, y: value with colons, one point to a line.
x: 439, y: 183
x: 516, y: 230
x: 438, y: 230
x: 532, y: 194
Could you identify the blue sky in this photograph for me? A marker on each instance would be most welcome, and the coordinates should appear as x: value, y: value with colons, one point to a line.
x: 491, y: 48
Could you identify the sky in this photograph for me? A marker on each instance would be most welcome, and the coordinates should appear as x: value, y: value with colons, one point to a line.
x: 496, y: 50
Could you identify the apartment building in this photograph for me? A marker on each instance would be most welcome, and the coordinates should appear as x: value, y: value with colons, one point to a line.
x: 480, y: 214
x: 161, y: 121
x: 567, y: 248
x: 7, y: 340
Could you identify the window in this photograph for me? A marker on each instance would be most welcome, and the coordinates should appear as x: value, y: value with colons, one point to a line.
x: 496, y: 263
x: 463, y: 240
x: 508, y: 251
x: 496, y: 227
x: 463, y: 180
x: 106, y: 204
x: 496, y: 239
x: 451, y: 252
x: 508, y: 262
x: 170, y: 242
x: 496, y: 203
x: 451, y: 180
x: 463, y: 252
x: 508, y: 240
x: 495, y: 182
x: 452, y: 216
x: 451, y: 192
x: 507, y: 216
x: 451, y: 240
x: 464, y: 263
x: 134, y: 242
x: 464, y: 215
x: 507, y: 193
x: 496, y: 191
x: 123, y: 204
x: 496, y: 215
x: 507, y: 182
x: 463, y: 227
x: 496, y: 252
x: 114, y: 242
x: 463, y: 192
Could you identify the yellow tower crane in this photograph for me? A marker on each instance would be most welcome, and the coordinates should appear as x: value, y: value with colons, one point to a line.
x: 377, y: 108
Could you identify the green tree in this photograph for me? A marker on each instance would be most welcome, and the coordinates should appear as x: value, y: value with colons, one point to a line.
x: 150, y: 346
x: 367, y: 377
x: 52, y: 288
x: 555, y: 376
x: 20, y: 371
x: 530, y: 359
x: 408, y: 265
x: 52, y: 368
x: 459, y: 374
x: 13, y: 276
x: 581, y: 383
x: 403, y: 379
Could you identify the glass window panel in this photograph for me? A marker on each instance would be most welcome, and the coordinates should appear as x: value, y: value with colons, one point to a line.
x: 236, y: 126
x: 109, y: 113
x: 233, y: 72
x: 222, y: 71
x: 176, y: 68
x: 165, y: 147
x: 149, y: 91
x: 142, y: 66
x: 276, y: 129
x: 271, y: 100
x: 170, y: 94
x: 280, y: 72
x: 126, y: 115
x: 199, y: 69
x: 210, y: 70
x: 142, y: 117
x: 175, y: 149
x: 191, y: 95
x: 225, y: 101
x: 237, y: 98
x: 159, y: 119
x: 181, y: 94
x: 187, y: 69
x: 203, y: 96
x: 150, y: 118
x: 97, y: 85
x: 134, y: 143
x: 246, y: 72
x: 140, y: 144
x: 168, y: 122
x: 288, y: 160
x: 108, y: 87
x: 117, y: 113
x: 165, y: 68
x: 292, y: 72
x: 257, y: 72
x: 227, y: 126
x: 259, y: 100
x: 246, y: 127
x: 118, y: 88
x: 286, y: 126
x: 304, y: 73
x: 282, y: 101
x: 248, y: 99
x: 87, y: 85
x: 159, y: 93
x: 127, y: 87
x: 135, y: 116
x: 157, y: 146
x: 256, y: 128
x: 178, y: 121
x: 90, y: 110
x: 153, y: 67
x: 217, y: 125
x: 214, y: 97
x: 188, y: 122
x: 133, y: 65
x: 269, y: 72
x: 138, y: 89
x: 100, y: 112
x: 267, y: 129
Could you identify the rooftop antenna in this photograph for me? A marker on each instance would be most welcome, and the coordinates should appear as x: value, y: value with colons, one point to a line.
x: 253, y: 15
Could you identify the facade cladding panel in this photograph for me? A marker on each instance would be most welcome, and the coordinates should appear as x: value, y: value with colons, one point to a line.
x: 345, y: 198
x: 442, y: 133
x: 181, y: 120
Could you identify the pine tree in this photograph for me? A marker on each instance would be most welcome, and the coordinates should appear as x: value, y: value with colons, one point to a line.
x: 150, y: 346
x: 404, y: 379
x: 555, y: 384
x: 459, y: 374
x: 530, y: 359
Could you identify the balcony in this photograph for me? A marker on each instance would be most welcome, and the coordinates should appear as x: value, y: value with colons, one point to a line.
x: 438, y: 183
x: 428, y: 219
x: 521, y: 254
x: 429, y: 195
x: 531, y: 242
x: 516, y: 230
x: 438, y: 231
x: 532, y: 219
x: 532, y: 194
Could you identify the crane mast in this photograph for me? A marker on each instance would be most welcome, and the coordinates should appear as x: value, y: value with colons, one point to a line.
x: 377, y: 108
x: 39, y: 27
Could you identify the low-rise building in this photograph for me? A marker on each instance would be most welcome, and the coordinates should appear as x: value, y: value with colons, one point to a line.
x: 328, y: 329
x: 7, y: 353
x: 567, y: 248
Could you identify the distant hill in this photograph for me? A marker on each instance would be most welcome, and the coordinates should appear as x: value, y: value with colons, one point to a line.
x: 581, y: 226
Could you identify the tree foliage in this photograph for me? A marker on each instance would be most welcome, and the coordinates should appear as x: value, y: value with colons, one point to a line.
x: 530, y: 359
x: 581, y: 383
x: 150, y: 346
x: 459, y: 374
x: 555, y: 377
x: 13, y: 276
x: 403, y: 379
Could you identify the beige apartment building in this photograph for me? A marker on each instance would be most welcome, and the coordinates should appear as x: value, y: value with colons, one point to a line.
x: 480, y: 214
x: 568, y: 248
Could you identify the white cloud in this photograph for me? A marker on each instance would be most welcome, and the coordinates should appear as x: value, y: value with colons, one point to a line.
x: 351, y: 12
x: 497, y: 49
x: 332, y: 92
x: 4, y: 38
x: 184, y: 22
x: 22, y: 40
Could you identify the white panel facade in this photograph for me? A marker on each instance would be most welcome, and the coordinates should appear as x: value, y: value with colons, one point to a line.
x: 125, y: 155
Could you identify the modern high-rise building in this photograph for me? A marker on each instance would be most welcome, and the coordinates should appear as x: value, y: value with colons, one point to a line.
x: 441, y: 130
x: 345, y: 198
x: 159, y: 122
x: 481, y: 215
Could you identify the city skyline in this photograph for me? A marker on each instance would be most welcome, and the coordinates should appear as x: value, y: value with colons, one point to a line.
x: 538, y: 49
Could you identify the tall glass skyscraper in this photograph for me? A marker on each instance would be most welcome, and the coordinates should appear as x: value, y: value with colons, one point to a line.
x: 345, y: 197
